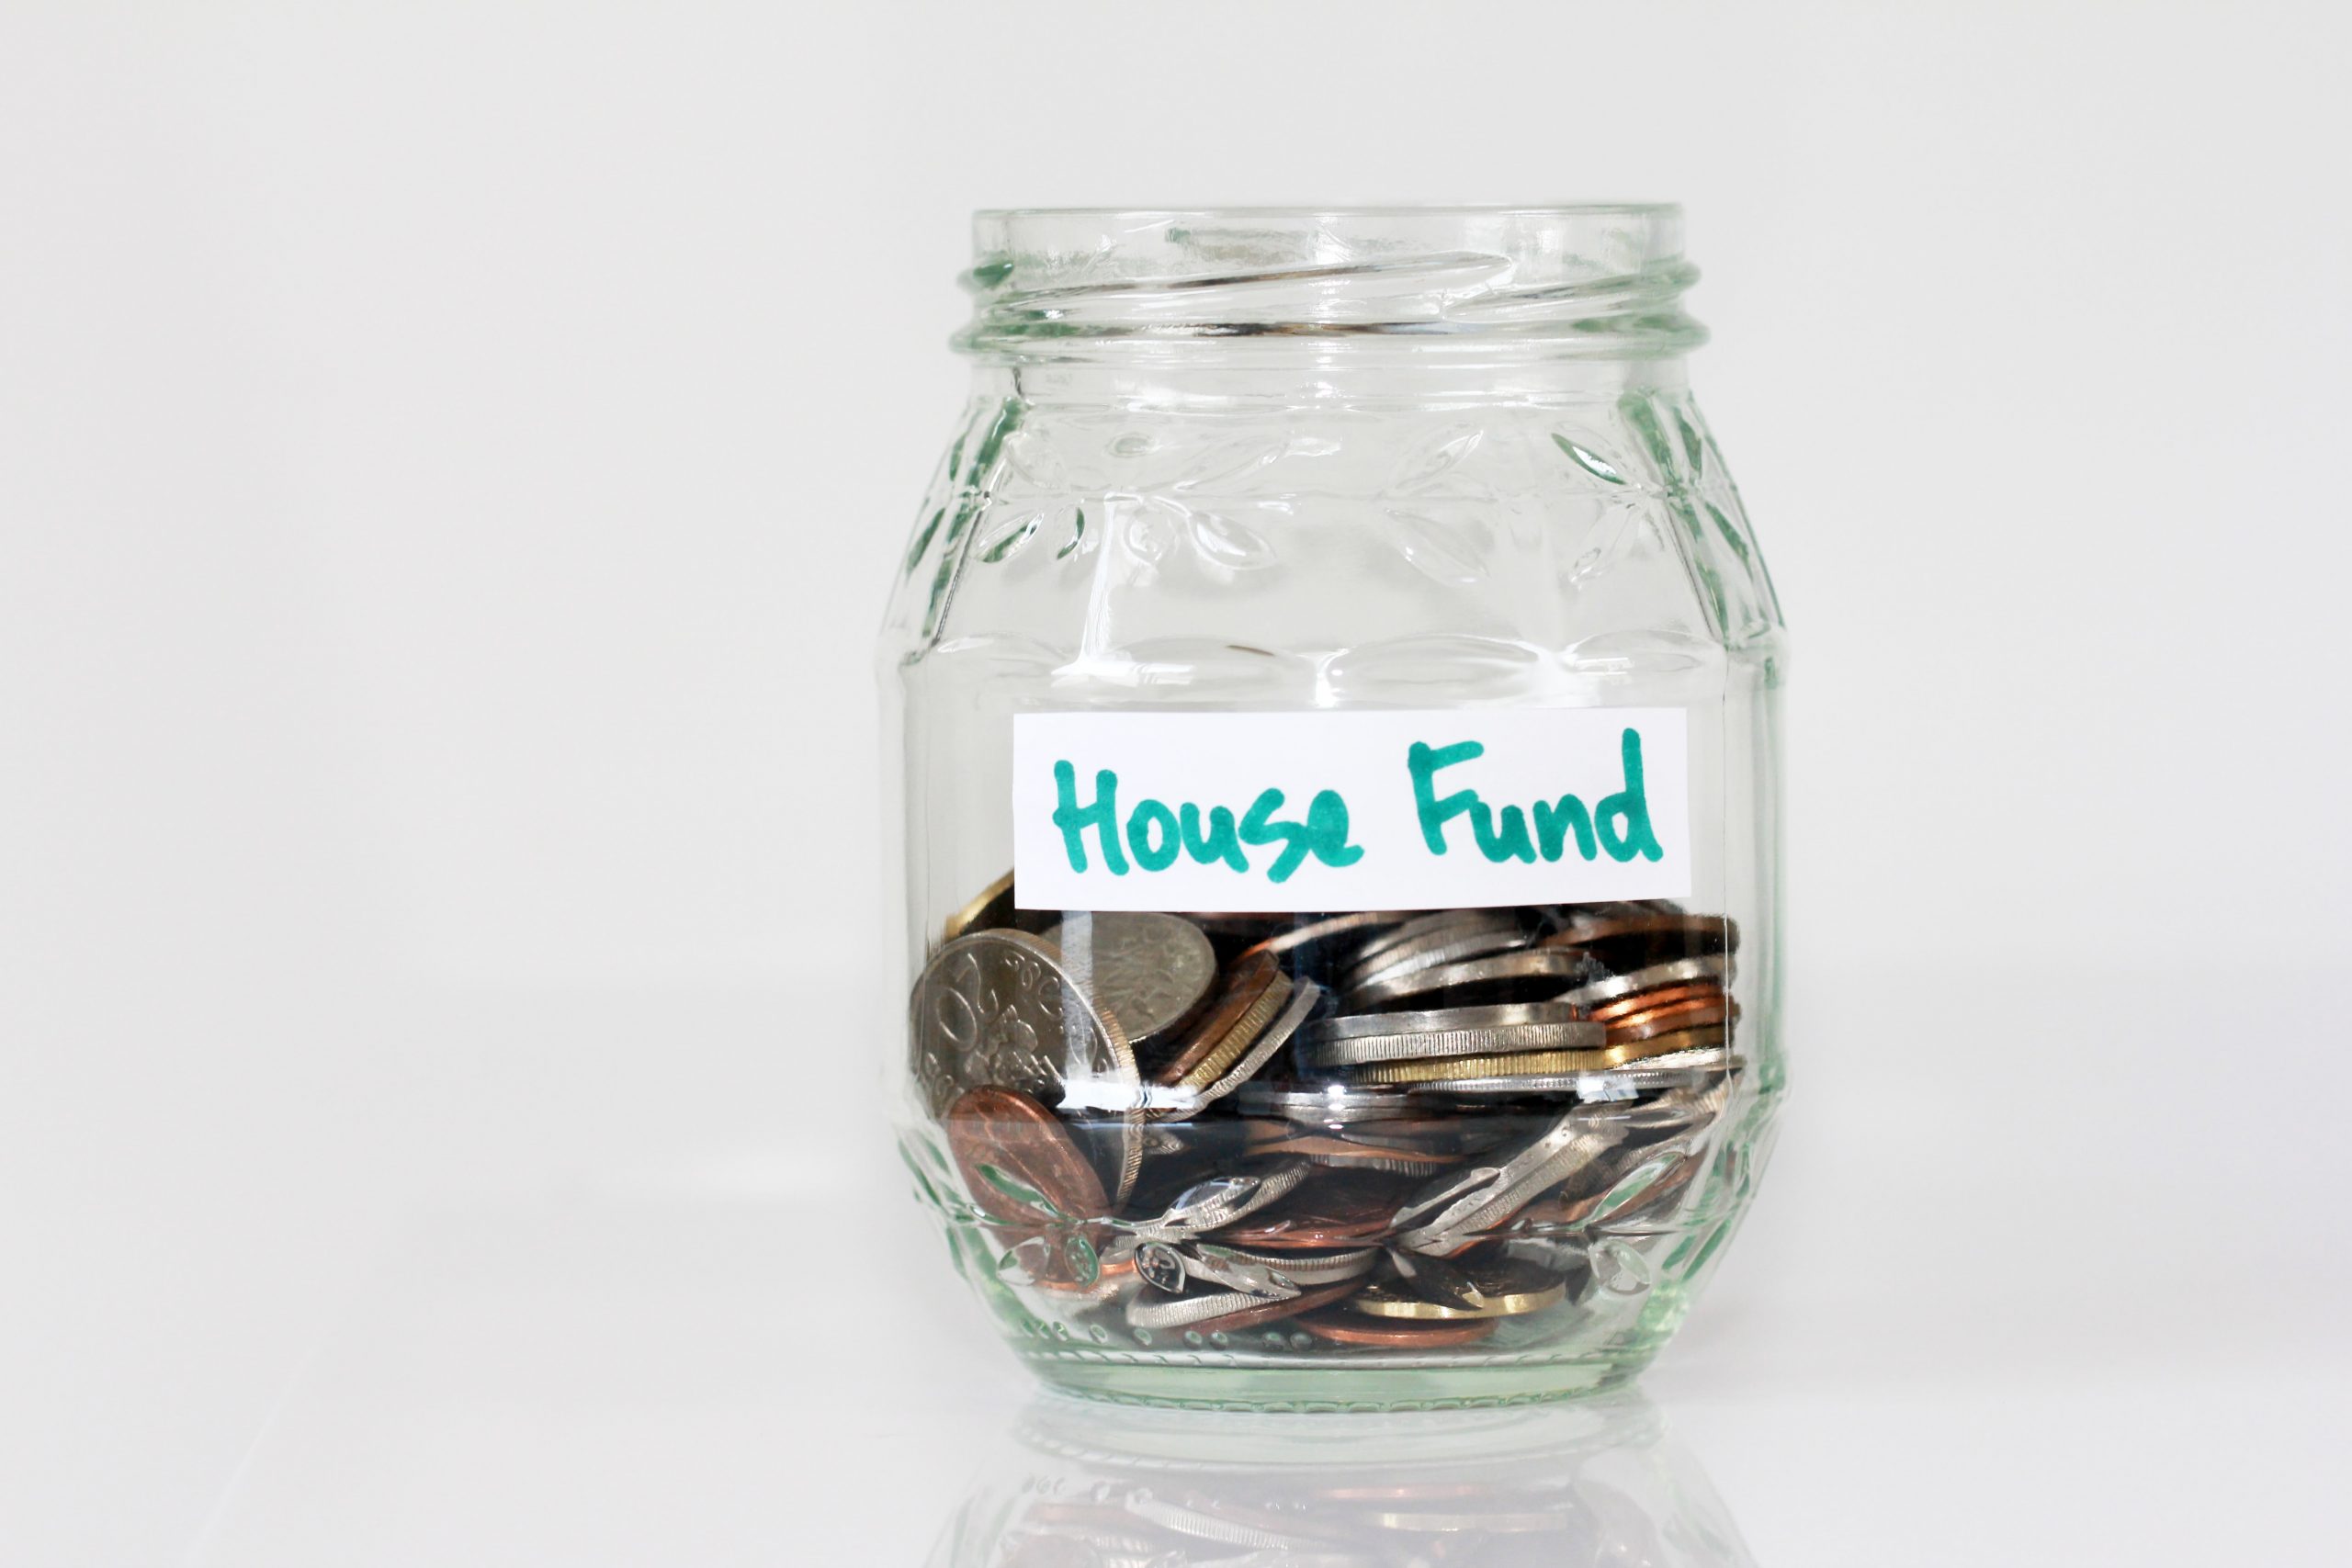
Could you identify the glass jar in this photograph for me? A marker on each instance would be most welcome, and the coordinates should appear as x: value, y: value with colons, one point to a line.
x: 1344, y: 626
x: 1600, y: 1480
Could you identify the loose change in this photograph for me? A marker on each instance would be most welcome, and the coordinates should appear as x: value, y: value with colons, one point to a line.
x: 1391, y: 1130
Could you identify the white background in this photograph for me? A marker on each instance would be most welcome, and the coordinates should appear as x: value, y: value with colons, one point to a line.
x: 451, y: 460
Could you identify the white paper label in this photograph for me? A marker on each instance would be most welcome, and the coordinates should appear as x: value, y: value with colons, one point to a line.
x: 1348, y: 810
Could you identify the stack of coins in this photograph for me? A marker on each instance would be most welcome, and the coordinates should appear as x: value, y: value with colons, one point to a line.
x: 1387, y: 1131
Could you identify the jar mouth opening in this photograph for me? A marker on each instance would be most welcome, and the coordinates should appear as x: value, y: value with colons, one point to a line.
x: 1060, y: 283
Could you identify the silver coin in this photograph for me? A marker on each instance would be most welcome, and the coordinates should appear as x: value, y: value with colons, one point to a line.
x: 1327, y: 1268
x: 1273, y: 1276
x: 1442, y: 938
x: 1614, y: 1083
x: 1181, y: 1312
x: 1375, y: 1162
x: 1454, y: 1210
x: 1677, y: 971
x: 1525, y: 965
x: 1150, y: 971
x: 1220, y: 1201
x: 1503, y: 1029
x: 1364, y: 926
x: 998, y: 1008
x: 1418, y: 926
x: 1327, y: 1105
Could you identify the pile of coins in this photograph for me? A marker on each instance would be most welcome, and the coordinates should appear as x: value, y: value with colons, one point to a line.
x: 1388, y: 1129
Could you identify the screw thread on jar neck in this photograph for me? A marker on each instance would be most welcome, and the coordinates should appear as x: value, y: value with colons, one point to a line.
x: 1282, y: 290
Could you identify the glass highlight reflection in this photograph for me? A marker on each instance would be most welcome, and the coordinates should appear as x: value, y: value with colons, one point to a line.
x: 1594, y: 1482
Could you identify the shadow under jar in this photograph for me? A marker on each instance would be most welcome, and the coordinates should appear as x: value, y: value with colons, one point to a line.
x: 1332, y: 694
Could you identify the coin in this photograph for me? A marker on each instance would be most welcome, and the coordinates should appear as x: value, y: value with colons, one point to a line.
x: 992, y: 906
x: 1715, y: 967
x: 1607, y: 1083
x: 1151, y: 971
x: 1110, y: 1278
x: 1447, y: 939
x: 1222, y: 1200
x: 998, y: 1008
x: 1330, y: 1105
x: 1305, y: 995
x: 1246, y: 1005
x: 1449, y: 1031
x: 1331, y: 927
x: 1340, y: 1209
x: 1227, y: 1311
x: 1341, y: 1327
x: 1341, y: 1153
x: 1498, y: 977
x: 1530, y: 1063
x: 1454, y: 1211
x: 1434, y: 920
x: 1698, y: 1037
x: 1684, y: 1015
x: 1505, y: 1288
x: 1658, y: 997
x: 1647, y: 931
x: 1006, y: 1146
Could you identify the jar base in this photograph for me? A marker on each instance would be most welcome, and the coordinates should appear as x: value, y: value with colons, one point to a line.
x: 1388, y: 1384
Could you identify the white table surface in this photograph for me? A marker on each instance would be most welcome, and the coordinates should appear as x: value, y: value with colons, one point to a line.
x: 2067, y: 1316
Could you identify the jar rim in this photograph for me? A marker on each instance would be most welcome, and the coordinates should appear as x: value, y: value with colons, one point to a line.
x: 1058, y: 283
x: 1351, y: 209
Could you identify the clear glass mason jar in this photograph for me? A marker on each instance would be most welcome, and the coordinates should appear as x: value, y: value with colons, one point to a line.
x: 1345, y: 627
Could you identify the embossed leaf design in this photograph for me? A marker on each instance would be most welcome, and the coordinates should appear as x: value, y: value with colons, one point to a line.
x: 1225, y: 465
x: 1002, y: 543
x: 1034, y: 459
x: 1225, y: 543
x: 923, y: 537
x: 1637, y: 1184
x: 1085, y: 1264
x: 1074, y: 517
x: 1620, y: 534
x: 1448, y: 555
x: 1430, y: 461
x: 1150, y: 528
x: 1591, y: 462
x: 1693, y: 447
x: 1019, y: 1190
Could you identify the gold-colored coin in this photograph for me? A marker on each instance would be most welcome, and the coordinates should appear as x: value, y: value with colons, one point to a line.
x: 1384, y: 1298
x: 992, y: 906
x: 1531, y: 1063
x: 1238, y: 1039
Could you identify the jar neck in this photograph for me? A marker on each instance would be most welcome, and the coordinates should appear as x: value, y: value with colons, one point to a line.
x: 1287, y: 306
x: 1397, y: 377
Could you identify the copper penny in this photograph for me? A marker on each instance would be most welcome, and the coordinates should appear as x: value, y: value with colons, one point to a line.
x: 1012, y: 1133
x: 1324, y: 930
x: 1274, y: 1311
x: 1249, y: 987
x: 1106, y: 1273
x: 1335, y: 1210
x: 1664, y: 996
x: 1395, y: 1333
x: 1654, y: 1021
